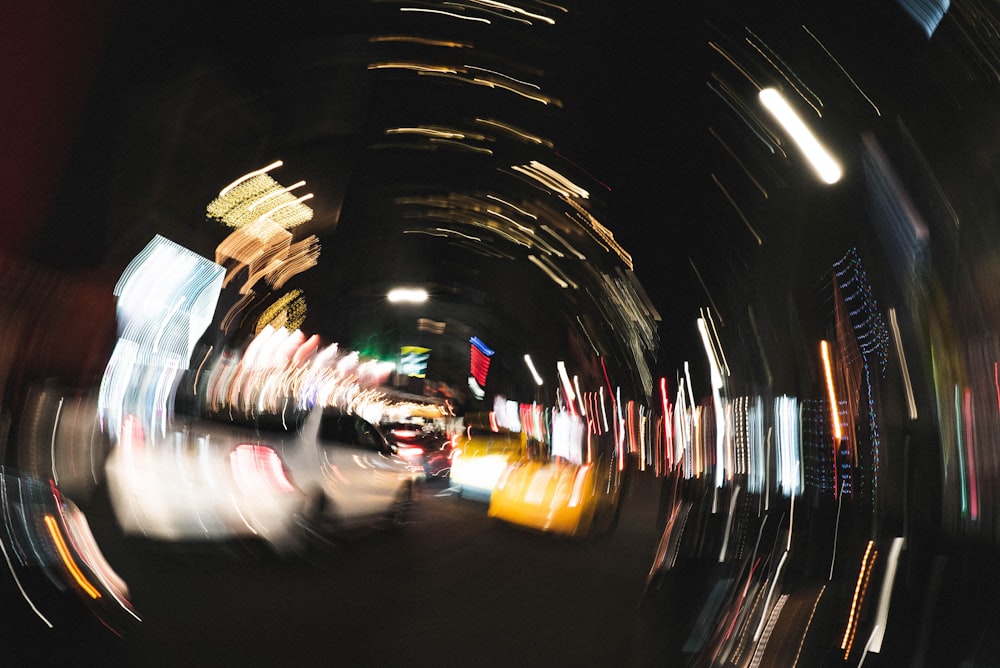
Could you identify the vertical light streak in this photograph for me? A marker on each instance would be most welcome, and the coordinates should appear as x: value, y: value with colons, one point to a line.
x: 996, y: 384
x: 885, y: 597
x: 604, y: 411
x: 668, y: 435
x: 787, y: 445
x: 770, y: 593
x: 970, y: 445
x: 824, y: 349
x: 821, y: 161
x: 911, y: 403
x: 859, y: 593
x: 720, y: 417
x: 805, y: 631
x: 772, y: 621
x: 619, y: 430
x: 836, y: 533
x: 961, y: 451
x: 579, y: 396
x: 729, y: 523
x: 52, y: 444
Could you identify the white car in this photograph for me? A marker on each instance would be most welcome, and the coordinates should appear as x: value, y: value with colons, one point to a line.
x: 279, y: 481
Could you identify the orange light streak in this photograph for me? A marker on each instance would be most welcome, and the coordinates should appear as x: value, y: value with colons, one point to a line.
x: 859, y: 594
x: 74, y: 570
x: 824, y: 349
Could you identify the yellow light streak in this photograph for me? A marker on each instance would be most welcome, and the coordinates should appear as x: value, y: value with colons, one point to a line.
x: 824, y: 350
x: 860, y: 589
x: 250, y: 175
x: 64, y: 554
x: 438, y: 11
x: 420, y: 40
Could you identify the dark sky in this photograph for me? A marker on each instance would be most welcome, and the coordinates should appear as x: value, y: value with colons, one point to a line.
x: 636, y: 116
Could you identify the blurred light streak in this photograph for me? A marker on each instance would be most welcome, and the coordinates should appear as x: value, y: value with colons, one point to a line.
x: 516, y: 132
x: 534, y: 372
x: 770, y: 57
x: 515, y: 10
x: 720, y: 420
x: 926, y: 13
x: 771, y: 142
x: 931, y: 176
x: 5, y: 504
x: 537, y: 261
x: 705, y: 288
x: 881, y: 620
x: 444, y: 13
x: 276, y: 193
x: 729, y: 523
x: 960, y: 441
x: 535, y: 97
x: 805, y: 631
x: 52, y: 441
x: 505, y: 76
x: 566, y: 244
x: 718, y: 49
x: 552, y: 179
x: 247, y: 177
x: 420, y: 40
x: 911, y: 403
x: 770, y: 593
x: 739, y: 212
x: 772, y: 621
x: 818, y: 157
x: 599, y: 232
x: 849, y: 77
x: 407, y: 296
x: 824, y: 349
x: 860, y: 589
x: 739, y: 162
x: 668, y: 432
x: 898, y: 223
x: 970, y: 444
x: 788, y: 445
x: 416, y: 67
x: 67, y: 558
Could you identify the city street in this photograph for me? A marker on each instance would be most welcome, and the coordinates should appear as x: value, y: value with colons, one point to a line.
x: 452, y: 587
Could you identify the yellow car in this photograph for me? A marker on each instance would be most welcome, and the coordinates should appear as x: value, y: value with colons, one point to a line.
x: 479, y: 457
x: 554, y: 496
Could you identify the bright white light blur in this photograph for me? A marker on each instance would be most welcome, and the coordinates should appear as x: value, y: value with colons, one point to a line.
x: 407, y: 295
x: 533, y: 370
x: 822, y: 162
x: 788, y: 446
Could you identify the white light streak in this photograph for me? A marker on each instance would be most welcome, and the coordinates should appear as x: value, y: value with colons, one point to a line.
x: 821, y: 161
x: 438, y: 11
x: 246, y: 177
x: 533, y: 370
x: 407, y: 296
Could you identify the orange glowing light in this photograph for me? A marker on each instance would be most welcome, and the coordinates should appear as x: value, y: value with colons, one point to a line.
x: 824, y: 349
x: 71, y: 566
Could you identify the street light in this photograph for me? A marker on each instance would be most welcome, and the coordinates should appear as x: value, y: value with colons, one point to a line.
x: 821, y: 161
x: 407, y: 295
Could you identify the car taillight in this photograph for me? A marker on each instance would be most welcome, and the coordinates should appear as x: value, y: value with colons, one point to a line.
x: 405, y: 434
x: 258, y: 470
x: 409, y: 450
